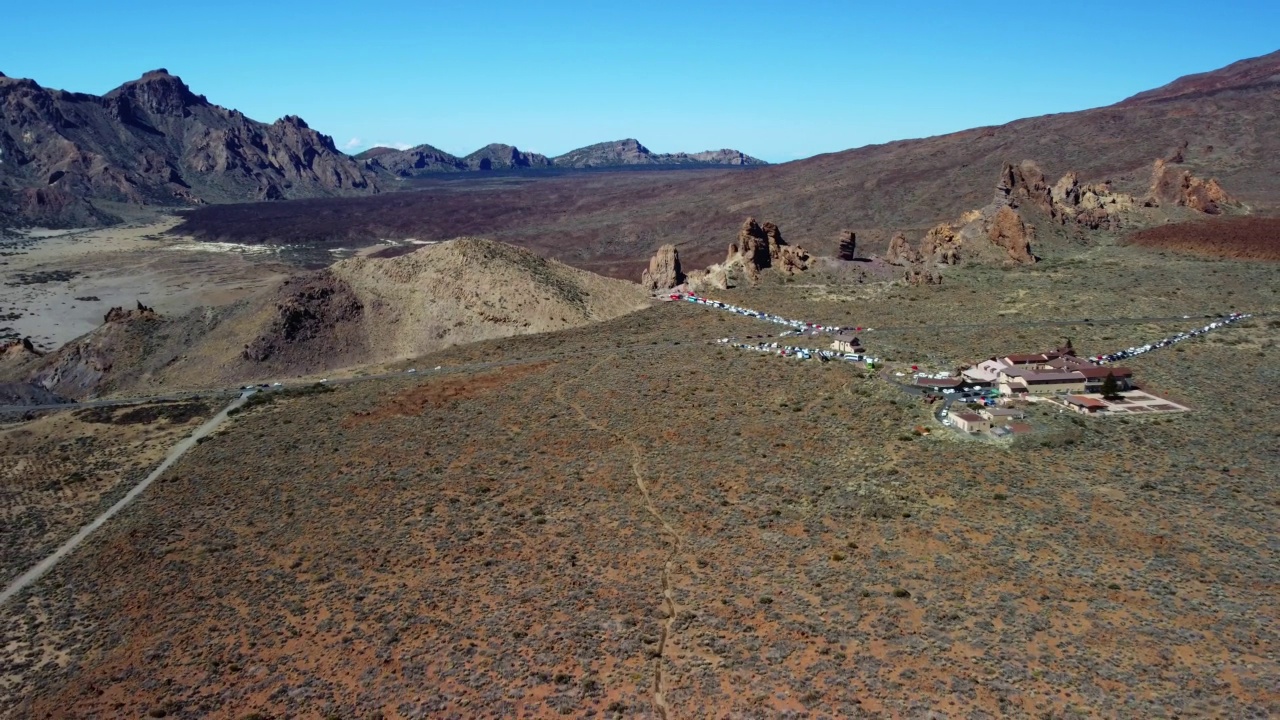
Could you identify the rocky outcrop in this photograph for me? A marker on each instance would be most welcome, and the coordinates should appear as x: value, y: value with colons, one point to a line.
x: 941, y: 246
x: 120, y: 315
x: 15, y: 352
x: 761, y: 246
x: 318, y: 307
x: 757, y: 247
x: 848, y: 248
x: 1023, y: 184
x: 154, y: 141
x: 664, y: 270
x: 900, y: 251
x: 1094, y: 206
x: 1176, y: 187
x: 715, y: 277
x: 1008, y: 231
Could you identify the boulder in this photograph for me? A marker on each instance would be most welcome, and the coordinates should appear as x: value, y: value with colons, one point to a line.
x: 664, y: 270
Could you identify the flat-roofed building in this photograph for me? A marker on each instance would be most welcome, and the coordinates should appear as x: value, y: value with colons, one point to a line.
x: 1001, y: 416
x: 1094, y: 376
x: 970, y: 422
x: 1085, y: 405
x: 1017, y: 381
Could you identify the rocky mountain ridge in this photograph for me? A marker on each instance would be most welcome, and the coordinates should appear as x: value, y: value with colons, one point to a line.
x: 426, y: 159
x: 152, y: 141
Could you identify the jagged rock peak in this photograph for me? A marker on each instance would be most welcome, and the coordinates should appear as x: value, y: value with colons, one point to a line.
x: 157, y: 92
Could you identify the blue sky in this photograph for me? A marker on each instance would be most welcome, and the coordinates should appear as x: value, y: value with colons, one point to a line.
x: 773, y: 79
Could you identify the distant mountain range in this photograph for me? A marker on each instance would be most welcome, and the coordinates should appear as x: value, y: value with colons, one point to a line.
x: 66, y: 158
x: 425, y: 159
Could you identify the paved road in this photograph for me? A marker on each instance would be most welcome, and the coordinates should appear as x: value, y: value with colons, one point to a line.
x: 45, y: 565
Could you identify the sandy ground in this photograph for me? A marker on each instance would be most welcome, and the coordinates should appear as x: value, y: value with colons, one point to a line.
x: 57, y: 285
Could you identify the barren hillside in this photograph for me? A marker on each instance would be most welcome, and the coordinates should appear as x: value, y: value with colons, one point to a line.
x: 360, y: 311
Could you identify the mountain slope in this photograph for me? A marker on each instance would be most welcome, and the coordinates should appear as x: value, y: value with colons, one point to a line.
x: 612, y: 224
x: 154, y: 141
x: 1252, y: 72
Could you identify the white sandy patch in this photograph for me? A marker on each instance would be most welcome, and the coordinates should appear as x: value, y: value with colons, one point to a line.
x: 119, y: 266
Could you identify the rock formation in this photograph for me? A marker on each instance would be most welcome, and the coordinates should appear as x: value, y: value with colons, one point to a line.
x: 900, y: 251
x: 941, y: 245
x: 715, y: 277
x: 664, y: 270
x: 1171, y: 186
x: 757, y: 247
x: 848, y: 245
x: 1092, y: 206
x: 1007, y: 230
x: 761, y: 246
x: 119, y: 314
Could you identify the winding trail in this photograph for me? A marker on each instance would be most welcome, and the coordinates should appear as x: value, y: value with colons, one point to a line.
x: 674, y: 537
x: 45, y: 565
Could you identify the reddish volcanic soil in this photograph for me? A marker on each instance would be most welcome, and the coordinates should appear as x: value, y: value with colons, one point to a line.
x: 1242, y: 238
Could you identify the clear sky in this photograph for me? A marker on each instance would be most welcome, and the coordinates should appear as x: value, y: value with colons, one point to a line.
x: 779, y: 80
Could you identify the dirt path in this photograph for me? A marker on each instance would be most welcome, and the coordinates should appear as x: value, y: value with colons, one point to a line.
x: 674, y: 537
x: 44, y: 566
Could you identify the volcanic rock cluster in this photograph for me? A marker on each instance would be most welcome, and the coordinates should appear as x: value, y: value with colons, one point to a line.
x: 757, y: 248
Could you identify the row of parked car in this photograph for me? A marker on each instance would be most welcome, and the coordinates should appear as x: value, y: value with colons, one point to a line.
x: 799, y: 327
x: 1143, y: 349
x: 799, y: 353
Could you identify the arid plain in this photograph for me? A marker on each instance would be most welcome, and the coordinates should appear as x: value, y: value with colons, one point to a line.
x: 628, y: 520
